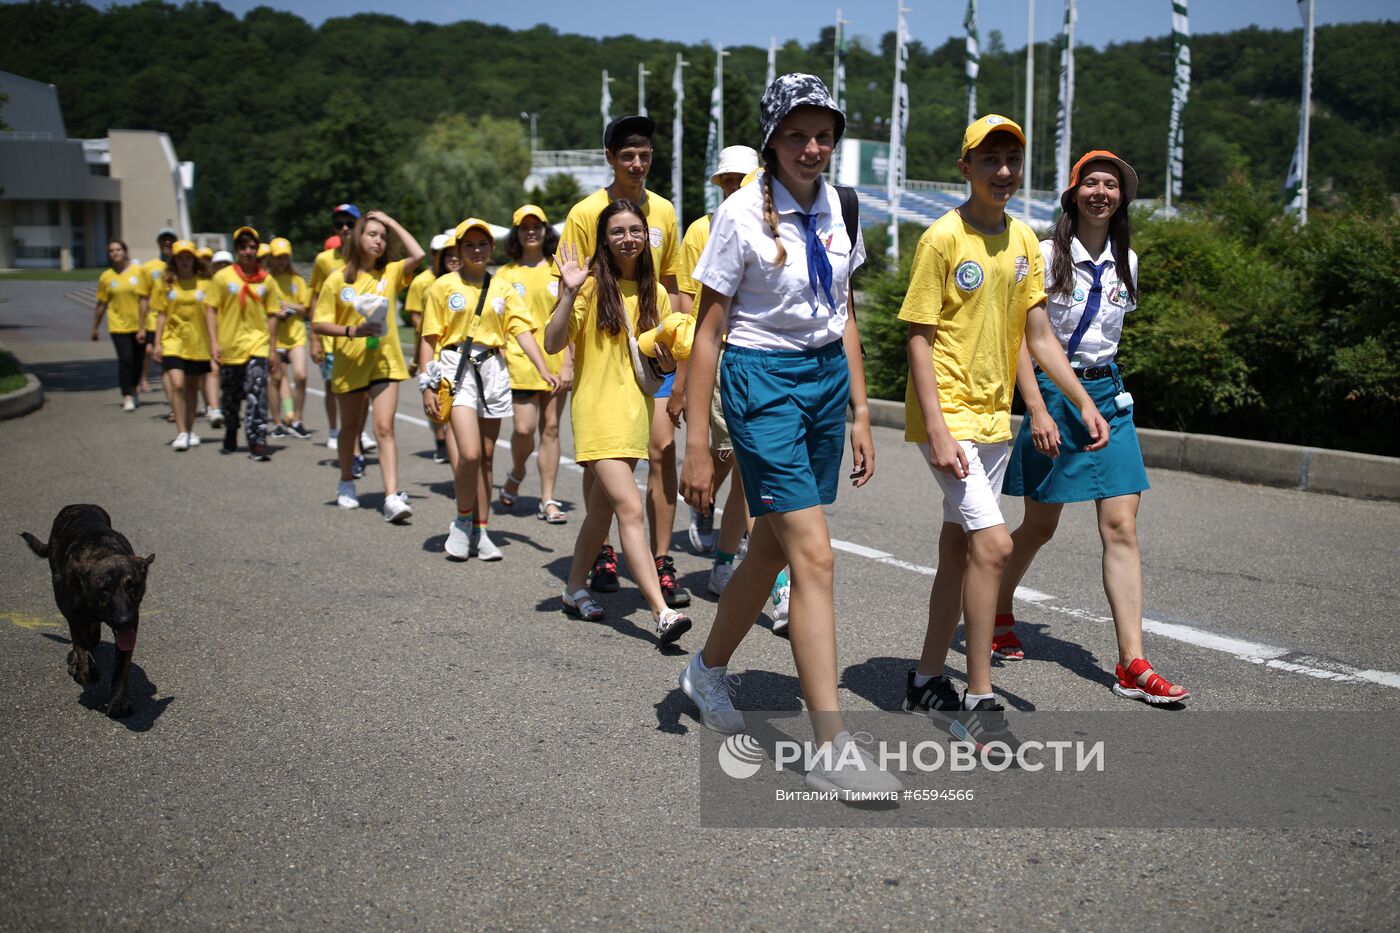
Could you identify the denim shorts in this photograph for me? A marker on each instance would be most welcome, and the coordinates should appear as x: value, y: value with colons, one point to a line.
x: 786, y: 411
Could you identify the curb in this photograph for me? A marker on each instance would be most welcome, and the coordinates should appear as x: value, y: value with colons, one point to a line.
x: 1307, y: 469
x: 22, y: 401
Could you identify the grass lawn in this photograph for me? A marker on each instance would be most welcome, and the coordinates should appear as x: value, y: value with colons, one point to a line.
x: 49, y: 275
x: 11, y: 378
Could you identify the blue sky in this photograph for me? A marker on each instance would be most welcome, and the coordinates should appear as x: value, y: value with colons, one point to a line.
x: 745, y: 22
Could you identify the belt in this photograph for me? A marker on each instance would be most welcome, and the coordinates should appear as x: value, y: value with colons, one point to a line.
x: 1095, y: 372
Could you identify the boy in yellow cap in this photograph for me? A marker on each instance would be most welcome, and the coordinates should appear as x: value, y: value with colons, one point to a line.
x: 976, y: 290
x: 241, y: 308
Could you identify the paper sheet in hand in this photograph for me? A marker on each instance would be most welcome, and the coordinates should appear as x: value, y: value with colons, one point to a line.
x: 373, y: 308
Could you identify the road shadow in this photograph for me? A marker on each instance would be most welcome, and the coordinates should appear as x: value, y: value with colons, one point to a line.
x: 145, y: 708
x: 753, y: 689
x: 620, y: 607
x: 1040, y: 645
x: 76, y: 375
x: 882, y: 681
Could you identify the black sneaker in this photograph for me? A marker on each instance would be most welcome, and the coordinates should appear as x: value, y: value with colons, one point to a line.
x: 259, y: 452
x: 278, y: 430
x: 230, y: 440
x: 984, y: 724
x: 937, y: 699
x: 298, y: 430
x: 440, y: 453
x: 671, y: 590
x: 603, y: 579
x: 357, y: 467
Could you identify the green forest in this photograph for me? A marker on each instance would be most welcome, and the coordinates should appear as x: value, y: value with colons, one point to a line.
x: 282, y: 118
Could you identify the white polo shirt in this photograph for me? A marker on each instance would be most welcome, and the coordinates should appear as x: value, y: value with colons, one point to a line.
x: 775, y: 308
x: 1099, y: 344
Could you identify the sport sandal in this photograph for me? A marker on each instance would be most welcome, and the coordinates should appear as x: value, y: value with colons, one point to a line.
x: 552, y: 511
x: 582, y: 606
x: 670, y: 625
x: 1156, y: 690
x: 507, y: 499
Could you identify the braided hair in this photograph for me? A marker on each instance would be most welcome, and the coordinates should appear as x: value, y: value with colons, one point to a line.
x: 770, y: 213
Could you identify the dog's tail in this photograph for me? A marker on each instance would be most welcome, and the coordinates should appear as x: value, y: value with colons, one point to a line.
x: 38, y: 547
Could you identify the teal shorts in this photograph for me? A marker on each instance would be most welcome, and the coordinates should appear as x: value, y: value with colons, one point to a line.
x: 786, y: 411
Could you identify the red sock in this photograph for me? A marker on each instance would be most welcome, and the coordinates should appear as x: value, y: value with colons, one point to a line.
x: 1004, y: 620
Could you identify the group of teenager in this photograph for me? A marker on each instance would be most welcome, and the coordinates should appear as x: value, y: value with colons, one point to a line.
x: 765, y: 378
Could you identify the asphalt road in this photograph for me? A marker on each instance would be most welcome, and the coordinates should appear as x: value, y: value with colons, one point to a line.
x: 337, y: 728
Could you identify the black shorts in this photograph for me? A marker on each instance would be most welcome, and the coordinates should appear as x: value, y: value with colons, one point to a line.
x: 524, y: 395
x: 188, y: 367
x: 366, y: 388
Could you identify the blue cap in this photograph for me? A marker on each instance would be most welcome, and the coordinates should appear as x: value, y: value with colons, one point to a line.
x: 350, y: 209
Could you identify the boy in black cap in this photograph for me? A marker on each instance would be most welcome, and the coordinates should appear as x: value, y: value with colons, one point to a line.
x: 627, y: 144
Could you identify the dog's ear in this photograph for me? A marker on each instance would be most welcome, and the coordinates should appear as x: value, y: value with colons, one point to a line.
x: 146, y: 563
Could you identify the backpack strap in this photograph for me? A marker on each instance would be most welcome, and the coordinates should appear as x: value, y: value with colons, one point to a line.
x: 850, y: 211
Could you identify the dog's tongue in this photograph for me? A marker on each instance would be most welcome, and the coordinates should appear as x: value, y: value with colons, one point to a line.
x: 126, y: 639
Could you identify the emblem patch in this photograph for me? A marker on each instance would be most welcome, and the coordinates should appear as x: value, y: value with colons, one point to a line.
x: 519, y: 288
x: 968, y: 276
x: 1023, y: 268
x: 456, y: 302
x: 1078, y: 295
x: 655, y: 237
x: 554, y: 289
x: 499, y: 305
x: 347, y: 294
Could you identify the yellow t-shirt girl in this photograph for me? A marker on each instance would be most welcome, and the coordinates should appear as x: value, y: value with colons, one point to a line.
x: 356, y: 366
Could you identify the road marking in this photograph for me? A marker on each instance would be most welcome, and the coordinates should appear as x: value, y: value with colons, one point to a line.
x: 25, y: 620
x: 1270, y: 656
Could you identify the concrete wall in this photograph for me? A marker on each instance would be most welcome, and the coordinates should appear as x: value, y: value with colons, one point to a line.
x: 151, y: 198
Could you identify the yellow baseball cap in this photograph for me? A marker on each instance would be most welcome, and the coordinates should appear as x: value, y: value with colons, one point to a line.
x: 263, y: 250
x: 528, y: 210
x: 978, y: 130
x: 280, y: 246
x: 204, y: 252
x: 469, y: 224
x: 752, y: 177
x: 183, y: 246
x: 245, y: 229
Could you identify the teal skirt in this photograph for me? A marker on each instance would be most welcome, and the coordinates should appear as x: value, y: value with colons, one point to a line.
x: 1078, y: 475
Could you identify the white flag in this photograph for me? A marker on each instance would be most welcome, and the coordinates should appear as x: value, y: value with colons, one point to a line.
x: 838, y: 89
x: 974, y: 58
x: 714, y: 141
x: 899, y: 123
x: 1181, y: 87
x: 677, y: 129
x: 1063, y: 117
x: 607, y: 101
x: 1295, y: 186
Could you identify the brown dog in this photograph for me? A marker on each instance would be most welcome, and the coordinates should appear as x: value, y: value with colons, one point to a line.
x: 97, y: 578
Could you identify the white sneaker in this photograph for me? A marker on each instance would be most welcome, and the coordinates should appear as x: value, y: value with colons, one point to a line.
x: 367, y: 441
x: 743, y: 547
x: 459, y: 540
x: 128, y: 403
x: 333, y: 442
x: 194, y: 440
x: 782, y: 598
x: 710, y: 690
x: 216, y: 418
x: 702, y: 532
x: 849, y: 770
x: 345, y: 495
x: 181, y: 442
x: 719, y: 577
x: 482, y: 547
x: 396, y: 508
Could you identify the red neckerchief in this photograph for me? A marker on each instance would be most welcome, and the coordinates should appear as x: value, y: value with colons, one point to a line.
x: 245, y: 292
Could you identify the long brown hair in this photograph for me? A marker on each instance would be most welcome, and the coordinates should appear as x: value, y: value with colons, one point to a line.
x: 356, y: 259
x: 770, y: 213
x: 1060, y: 281
x: 201, y: 270
x: 606, y: 272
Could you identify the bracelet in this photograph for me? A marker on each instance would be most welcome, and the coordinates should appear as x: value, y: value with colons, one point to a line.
x: 347, y: 330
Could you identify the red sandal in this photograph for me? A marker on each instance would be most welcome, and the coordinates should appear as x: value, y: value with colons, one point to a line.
x: 1005, y: 645
x: 1157, y: 690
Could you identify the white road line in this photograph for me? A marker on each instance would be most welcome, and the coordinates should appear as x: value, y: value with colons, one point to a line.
x: 1270, y: 656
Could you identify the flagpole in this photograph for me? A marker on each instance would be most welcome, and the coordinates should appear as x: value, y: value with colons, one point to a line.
x: 973, y: 55
x: 838, y: 88
x: 606, y: 106
x: 1065, y: 116
x: 677, y: 129
x: 642, y: 88
x: 1181, y: 88
x: 1307, y: 113
x: 899, y: 120
x: 772, y: 60
x: 714, y: 140
x: 1030, y: 110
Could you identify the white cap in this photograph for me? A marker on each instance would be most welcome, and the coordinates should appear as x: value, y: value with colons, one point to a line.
x: 740, y: 160
x: 222, y: 255
x: 438, y: 242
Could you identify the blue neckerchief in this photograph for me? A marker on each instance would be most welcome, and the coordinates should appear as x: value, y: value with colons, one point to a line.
x: 1091, y: 309
x: 818, y: 265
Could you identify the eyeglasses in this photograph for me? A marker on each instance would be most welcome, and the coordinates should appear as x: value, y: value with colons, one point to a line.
x: 629, y: 233
x: 343, y: 224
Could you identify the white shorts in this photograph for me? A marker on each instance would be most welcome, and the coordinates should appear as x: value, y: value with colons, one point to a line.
x: 495, y: 383
x: 974, y: 502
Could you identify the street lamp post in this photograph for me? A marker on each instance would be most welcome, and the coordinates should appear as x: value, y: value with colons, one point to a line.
x: 642, y: 88
x: 533, y: 118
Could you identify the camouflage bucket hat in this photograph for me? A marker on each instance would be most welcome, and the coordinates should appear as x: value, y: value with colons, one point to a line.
x: 786, y: 94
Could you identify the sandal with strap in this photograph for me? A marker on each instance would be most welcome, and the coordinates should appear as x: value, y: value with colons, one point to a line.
x: 1156, y: 690
x: 507, y: 499
x: 1005, y: 645
x: 670, y: 625
x: 583, y: 606
x: 555, y: 515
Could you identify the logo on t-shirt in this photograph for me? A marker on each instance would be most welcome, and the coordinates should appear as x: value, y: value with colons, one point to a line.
x: 456, y: 302
x: 519, y: 288
x: 1023, y: 268
x: 968, y: 276
x: 1119, y: 295
x: 233, y: 288
x: 499, y: 304
x: 347, y: 294
x: 198, y: 294
x: 260, y: 291
x: 170, y: 295
x: 655, y: 237
x: 554, y: 289
x: 135, y: 280
x: 1078, y: 295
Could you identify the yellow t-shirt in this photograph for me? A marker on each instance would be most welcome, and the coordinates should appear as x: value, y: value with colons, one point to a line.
x: 977, y: 289
x: 122, y: 292
x: 451, y: 311
x: 581, y: 229
x: 611, y: 415
x: 538, y: 289
x: 155, y: 271
x: 182, y: 303
x: 326, y: 262
x: 696, y: 236
x: 415, y: 303
x: 356, y: 365
x: 241, y: 325
x: 291, y: 332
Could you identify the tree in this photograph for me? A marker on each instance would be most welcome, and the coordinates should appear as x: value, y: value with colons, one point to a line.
x: 463, y: 168
x: 560, y: 192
